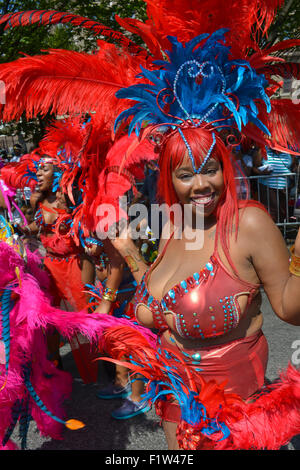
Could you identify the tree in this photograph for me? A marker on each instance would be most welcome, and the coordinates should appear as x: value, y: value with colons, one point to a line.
x: 34, y: 39
x: 286, y: 24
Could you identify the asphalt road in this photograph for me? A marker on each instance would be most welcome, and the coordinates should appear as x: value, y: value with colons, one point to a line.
x: 144, y: 432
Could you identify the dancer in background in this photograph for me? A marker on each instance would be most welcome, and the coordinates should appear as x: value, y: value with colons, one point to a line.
x: 65, y: 259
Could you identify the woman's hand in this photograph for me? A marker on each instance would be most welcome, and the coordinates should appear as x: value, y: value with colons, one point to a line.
x: 104, y: 307
x: 119, y: 236
x: 28, y: 230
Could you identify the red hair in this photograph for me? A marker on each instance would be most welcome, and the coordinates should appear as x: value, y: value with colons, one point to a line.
x: 172, y: 153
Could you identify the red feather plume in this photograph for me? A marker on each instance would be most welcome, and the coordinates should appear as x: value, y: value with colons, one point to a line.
x: 121, y: 170
x: 51, y: 17
x: 68, y: 82
x: 244, y: 18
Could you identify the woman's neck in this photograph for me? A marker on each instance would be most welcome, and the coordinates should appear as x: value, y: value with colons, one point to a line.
x: 50, y: 197
x: 198, y: 222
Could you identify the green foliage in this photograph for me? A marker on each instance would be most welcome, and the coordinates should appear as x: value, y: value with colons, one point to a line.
x: 286, y: 24
x: 33, y: 40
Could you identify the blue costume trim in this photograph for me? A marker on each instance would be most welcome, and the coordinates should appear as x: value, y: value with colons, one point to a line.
x: 215, y: 88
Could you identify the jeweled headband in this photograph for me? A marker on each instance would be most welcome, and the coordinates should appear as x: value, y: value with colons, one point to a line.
x: 45, y: 160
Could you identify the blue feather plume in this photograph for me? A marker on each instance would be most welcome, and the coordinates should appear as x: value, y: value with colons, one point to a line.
x: 34, y: 396
x: 199, y: 81
x: 15, y: 414
x: 6, y: 305
x: 30, y: 175
x: 193, y: 411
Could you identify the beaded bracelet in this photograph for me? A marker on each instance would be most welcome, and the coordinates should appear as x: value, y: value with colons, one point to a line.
x: 109, y: 294
x: 93, y: 241
x: 294, y: 267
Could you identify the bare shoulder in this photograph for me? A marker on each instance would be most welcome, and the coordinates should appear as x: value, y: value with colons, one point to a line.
x: 262, y: 239
x: 256, y: 219
x: 256, y: 225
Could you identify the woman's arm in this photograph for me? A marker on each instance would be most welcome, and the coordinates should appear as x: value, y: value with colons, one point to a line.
x: 115, y: 268
x: 130, y: 253
x: 291, y: 298
x: 31, y: 229
x: 270, y: 257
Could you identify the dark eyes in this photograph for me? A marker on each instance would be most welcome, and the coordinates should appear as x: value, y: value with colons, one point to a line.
x: 185, y: 176
x: 208, y: 171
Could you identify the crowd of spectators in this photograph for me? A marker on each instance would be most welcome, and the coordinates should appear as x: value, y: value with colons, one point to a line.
x: 269, y: 176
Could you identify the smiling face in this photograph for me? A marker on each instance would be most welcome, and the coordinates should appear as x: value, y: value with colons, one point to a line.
x: 203, y: 191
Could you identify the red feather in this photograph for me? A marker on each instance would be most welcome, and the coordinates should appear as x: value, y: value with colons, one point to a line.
x: 50, y: 17
x: 283, y: 123
x: 268, y: 421
x: 13, y: 173
x: 122, y: 168
x: 284, y: 70
x: 68, y: 82
x: 244, y: 18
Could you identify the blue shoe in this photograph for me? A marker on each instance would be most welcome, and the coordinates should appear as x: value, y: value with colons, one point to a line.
x: 130, y: 409
x: 115, y: 391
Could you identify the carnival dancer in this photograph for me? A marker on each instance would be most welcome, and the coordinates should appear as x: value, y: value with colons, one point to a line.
x: 205, y: 300
x: 65, y: 259
x: 205, y: 72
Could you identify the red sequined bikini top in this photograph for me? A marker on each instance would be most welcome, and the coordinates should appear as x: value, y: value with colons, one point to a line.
x: 204, y: 305
x: 56, y: 245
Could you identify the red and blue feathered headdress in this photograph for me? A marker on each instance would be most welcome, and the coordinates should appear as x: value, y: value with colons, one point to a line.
x: 247, y: 74
x: 200, y: 82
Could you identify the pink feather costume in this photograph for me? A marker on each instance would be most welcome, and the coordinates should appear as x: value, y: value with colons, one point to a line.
x: 31, y: 386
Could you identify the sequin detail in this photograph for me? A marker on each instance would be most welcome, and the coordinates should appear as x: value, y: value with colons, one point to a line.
x: 196, y: 310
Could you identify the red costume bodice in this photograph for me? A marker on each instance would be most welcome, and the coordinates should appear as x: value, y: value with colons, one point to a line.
x: 204, y: 305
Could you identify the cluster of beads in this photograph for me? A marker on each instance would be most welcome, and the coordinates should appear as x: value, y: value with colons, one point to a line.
x: 213, y: 318
x: 231, y: 317
x: 189, y: 327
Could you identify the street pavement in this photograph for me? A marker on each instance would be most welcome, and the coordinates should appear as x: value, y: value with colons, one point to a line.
x: 143, y: 432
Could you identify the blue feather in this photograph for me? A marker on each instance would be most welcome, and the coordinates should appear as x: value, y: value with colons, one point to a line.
x: 15, y: 413
x: 35, y: 397
x: 208, y: 58
x: 193, y: 411
x: 6, y: 306
x: 25, y: 419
